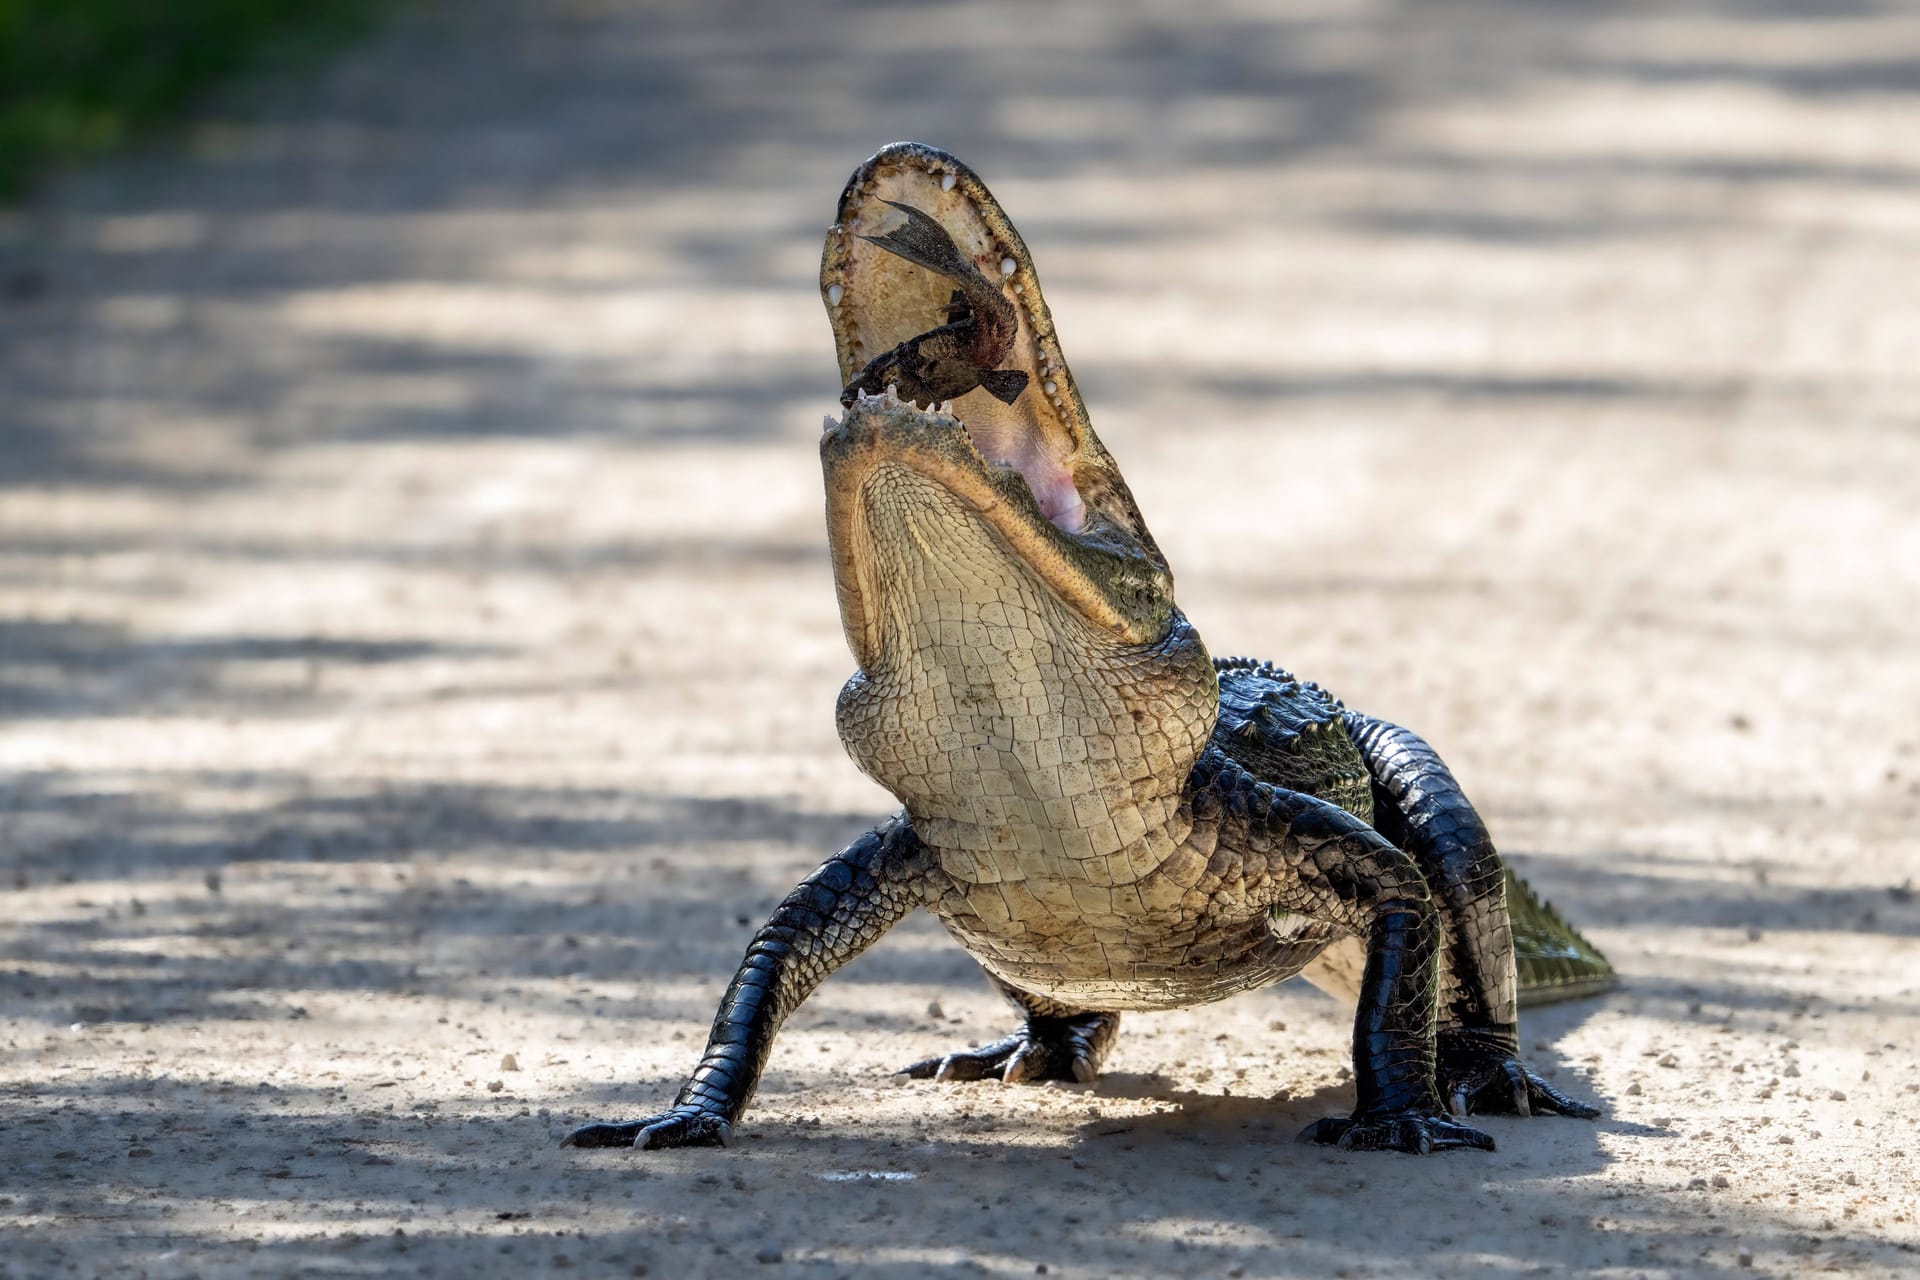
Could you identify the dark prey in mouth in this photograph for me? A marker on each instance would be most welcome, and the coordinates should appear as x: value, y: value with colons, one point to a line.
x: 945, y: 363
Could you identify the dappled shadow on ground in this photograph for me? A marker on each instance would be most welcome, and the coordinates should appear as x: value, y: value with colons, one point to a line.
x: 1204, y: 1186
x: 619, y: 914
x: 64, y: 669
x: 705, y: 143
x: 278, y: 885
x: 287, y: 884
x: 624, y: 913
x: 513, y: 227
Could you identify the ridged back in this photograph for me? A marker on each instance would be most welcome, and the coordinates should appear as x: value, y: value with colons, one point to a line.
x: 1555, y: 962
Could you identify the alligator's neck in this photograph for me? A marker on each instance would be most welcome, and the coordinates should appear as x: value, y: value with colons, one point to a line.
x: 1019, y: 737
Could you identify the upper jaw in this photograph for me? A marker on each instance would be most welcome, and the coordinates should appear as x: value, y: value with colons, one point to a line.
x: 1097, y: 569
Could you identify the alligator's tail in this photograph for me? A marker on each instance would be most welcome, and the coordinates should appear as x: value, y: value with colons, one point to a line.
x: 1555, y: 962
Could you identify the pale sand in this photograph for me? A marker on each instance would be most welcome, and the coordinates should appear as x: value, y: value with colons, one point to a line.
x: 417, y: 647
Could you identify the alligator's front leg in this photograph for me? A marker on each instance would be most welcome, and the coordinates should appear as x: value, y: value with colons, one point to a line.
x: 835, y: 914
x: 1290, y: 852
x: 1057, y: 1042
x: 1419, y: 806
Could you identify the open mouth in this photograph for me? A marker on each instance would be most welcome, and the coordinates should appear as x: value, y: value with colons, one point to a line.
x: 952, y: 370
x: 974, y: 460
x: 931, y: 292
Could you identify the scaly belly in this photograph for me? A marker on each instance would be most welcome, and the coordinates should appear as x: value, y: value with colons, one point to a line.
x: 1094, y: 956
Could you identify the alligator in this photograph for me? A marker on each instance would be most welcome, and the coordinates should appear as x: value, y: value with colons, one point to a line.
x: 1103, y: 815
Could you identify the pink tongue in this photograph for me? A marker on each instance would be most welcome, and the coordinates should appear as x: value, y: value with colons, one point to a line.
x: 1051, y: 482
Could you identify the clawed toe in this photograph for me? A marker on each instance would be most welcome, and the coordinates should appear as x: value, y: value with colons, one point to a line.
x: 604, y: 1135
x: 966, y: 1064
x: 1018, y: 1059
x: 684, y: 1126
x: 1489, y: 1080
x: 1413, y: 1134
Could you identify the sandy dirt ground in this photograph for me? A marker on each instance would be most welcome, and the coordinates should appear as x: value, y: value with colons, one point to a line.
x: 417, y: 649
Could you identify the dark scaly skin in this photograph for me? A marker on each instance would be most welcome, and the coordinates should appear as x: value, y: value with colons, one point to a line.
x: 1055, y: 1042
x: 1100, y: 816
x: 1292, y: 731
x: 1418, y: 805
x: 1322, y: 862
x: 831, y: 917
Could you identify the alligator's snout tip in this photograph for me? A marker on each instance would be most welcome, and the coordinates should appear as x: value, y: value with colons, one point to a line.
x: 875, y: 427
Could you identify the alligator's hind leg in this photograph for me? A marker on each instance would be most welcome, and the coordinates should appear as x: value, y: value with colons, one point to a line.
x: 1418, y: 805
x: 1287, y: 852
x: 1058, y: 1042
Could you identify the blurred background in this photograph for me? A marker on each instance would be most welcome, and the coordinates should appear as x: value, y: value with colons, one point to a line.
x: 415, y: 625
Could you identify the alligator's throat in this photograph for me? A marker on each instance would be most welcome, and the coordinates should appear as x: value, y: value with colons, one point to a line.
x: 1005, y: 721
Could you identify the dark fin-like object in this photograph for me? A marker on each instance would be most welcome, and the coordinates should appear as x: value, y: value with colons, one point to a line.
x: 1004, y: 385
x: 925, y: 243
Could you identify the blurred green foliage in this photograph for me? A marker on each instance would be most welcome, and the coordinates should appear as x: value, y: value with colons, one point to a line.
x: 79, y: 77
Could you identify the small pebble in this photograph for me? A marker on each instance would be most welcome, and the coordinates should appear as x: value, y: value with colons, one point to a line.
x: 768, y: 1254
x: 1634, y: 1090
x: 1222, y: 1173
x: 509, y: 1063
x: 1720, y: 1181
x: 495, y: 1086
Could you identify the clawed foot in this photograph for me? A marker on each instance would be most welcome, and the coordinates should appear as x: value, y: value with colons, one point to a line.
x: 680, y: 1127
x: 1479, y: 1076
x: 1046, y: 1049
x: 1411, y: 1132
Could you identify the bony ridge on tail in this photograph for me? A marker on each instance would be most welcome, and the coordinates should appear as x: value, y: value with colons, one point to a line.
x: 1106, y: 817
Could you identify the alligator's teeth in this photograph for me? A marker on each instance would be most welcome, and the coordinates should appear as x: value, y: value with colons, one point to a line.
x: 1049, y: 386
x: 946, y: 182
x: 946, y: 407
x: 828, y: 423
x: 835, y: 292
x: 1008, y: 266
x: 892, y: 396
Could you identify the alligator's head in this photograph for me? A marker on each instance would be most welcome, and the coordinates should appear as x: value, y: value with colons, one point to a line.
x: 998, y: 586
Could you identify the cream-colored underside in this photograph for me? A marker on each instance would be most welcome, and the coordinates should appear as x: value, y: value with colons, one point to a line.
x: 1008, y: 727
